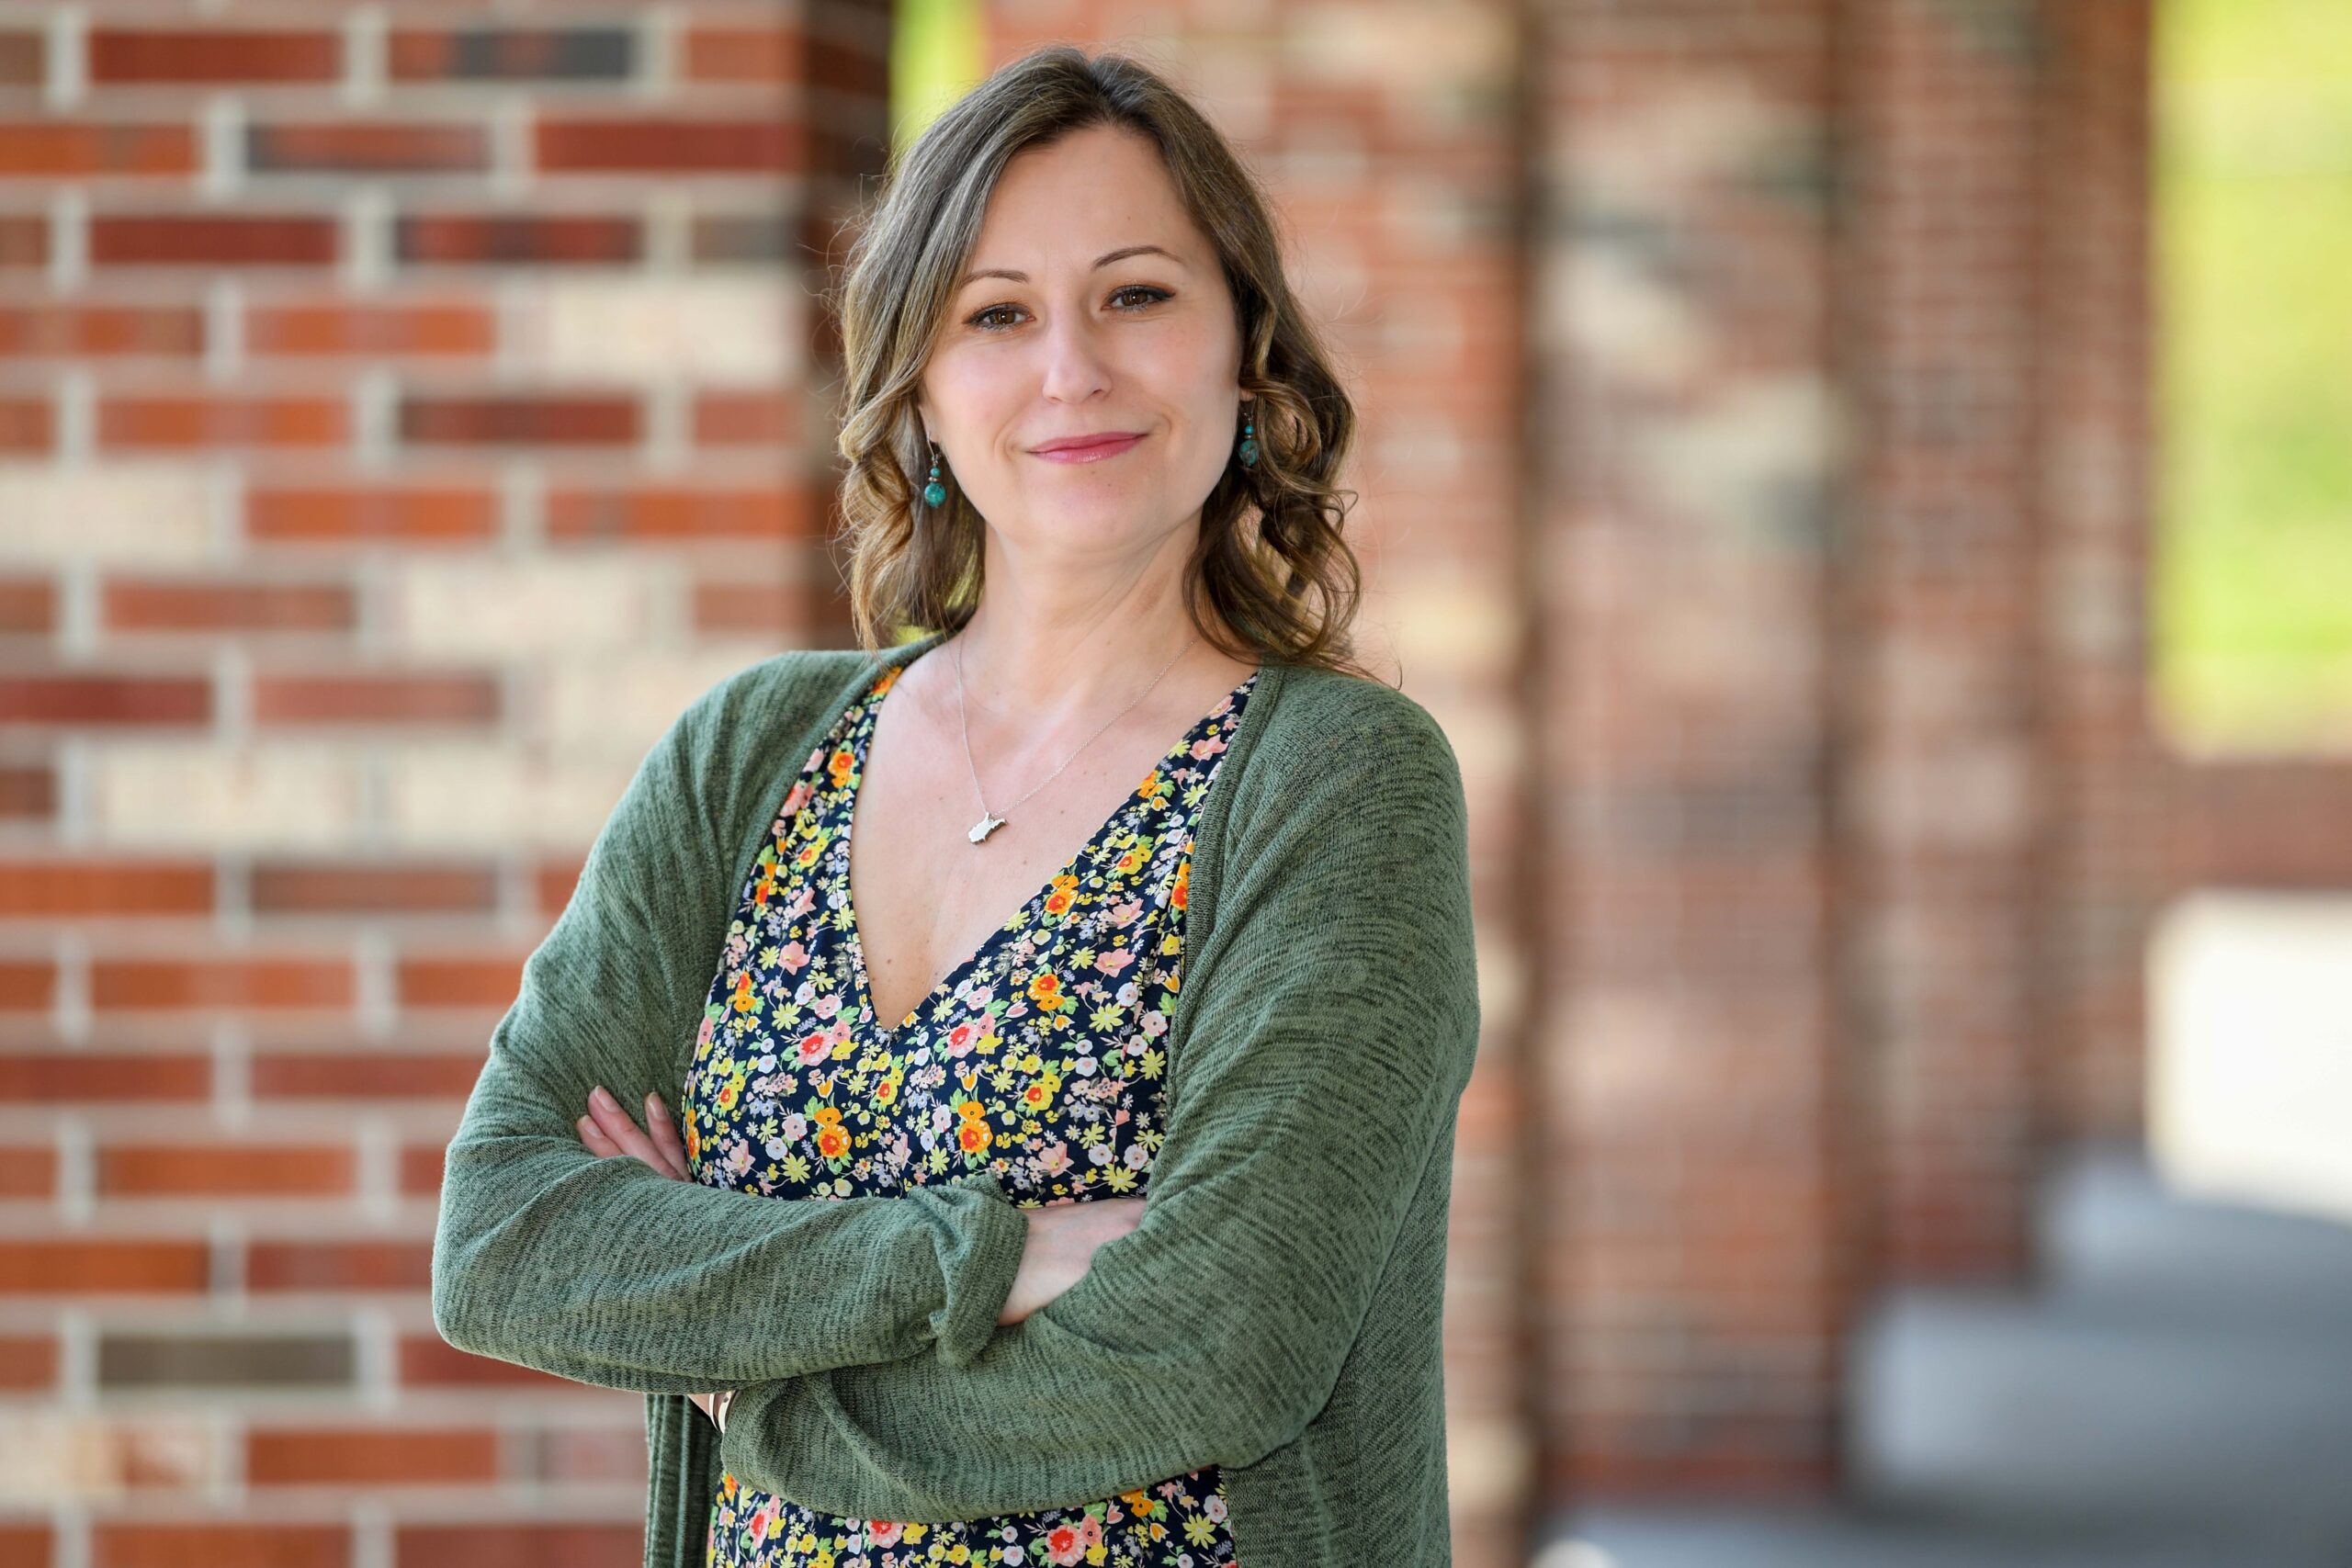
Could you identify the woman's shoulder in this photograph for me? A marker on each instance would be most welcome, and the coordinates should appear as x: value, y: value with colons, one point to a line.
x: 1324, y: 716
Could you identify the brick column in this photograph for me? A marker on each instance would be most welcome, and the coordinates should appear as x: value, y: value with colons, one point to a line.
x: 401, y: 418
x: 1696, y: 1172
x: 1935, y: 668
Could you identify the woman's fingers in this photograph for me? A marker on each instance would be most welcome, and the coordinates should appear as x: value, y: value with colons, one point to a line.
x: 665, y: 1137
x: 593, y: 1137
x: 622, y: 1133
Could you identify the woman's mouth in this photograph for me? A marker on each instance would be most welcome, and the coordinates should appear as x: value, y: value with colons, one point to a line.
x: 1092, y: 451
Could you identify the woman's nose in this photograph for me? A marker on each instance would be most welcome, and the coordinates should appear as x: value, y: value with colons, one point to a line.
x: 1075, y: 367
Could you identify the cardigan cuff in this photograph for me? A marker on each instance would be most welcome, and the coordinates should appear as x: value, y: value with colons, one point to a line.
x: 980, y: 1255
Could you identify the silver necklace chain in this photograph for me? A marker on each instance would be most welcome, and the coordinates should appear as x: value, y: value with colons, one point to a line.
x: 990, y: 822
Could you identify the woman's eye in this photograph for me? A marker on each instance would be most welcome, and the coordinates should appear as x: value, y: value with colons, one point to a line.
x: 1150, y: 296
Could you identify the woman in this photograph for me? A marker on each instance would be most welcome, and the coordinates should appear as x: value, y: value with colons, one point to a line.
x: 1113, y: 1230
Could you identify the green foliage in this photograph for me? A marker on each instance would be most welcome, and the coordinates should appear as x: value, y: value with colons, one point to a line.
x: 936, y: 56
x: 2253, y: 585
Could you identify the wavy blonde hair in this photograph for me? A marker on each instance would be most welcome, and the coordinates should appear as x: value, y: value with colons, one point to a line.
x: 1269, y: 560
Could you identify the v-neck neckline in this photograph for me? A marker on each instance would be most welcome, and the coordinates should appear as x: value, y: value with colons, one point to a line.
x: 860, y: 736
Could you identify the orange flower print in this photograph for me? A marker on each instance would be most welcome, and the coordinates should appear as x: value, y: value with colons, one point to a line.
x: 839, y: 765
x: 1065, y: 890
x: 1046, y: 990
x: 832, y: 1141
x: 973, y: 1136
x: 742, y: 999
x: 1184, y: 880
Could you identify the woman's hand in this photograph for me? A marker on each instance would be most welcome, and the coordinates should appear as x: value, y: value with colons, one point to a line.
x: 609, y: 1130
x: 1063, y: 1236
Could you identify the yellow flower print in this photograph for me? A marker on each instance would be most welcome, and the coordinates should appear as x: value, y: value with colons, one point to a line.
x: 1037, y: 1096
x: 885, y: 1092
x: 729, y: 1093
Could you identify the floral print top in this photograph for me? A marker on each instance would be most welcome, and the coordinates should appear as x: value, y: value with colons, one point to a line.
x: 1038, y: 1058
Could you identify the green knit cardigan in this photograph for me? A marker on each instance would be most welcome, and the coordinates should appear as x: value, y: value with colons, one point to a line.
x: 1277, y: 1311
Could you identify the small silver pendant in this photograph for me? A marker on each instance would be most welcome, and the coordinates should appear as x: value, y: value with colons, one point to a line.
x: 985, y: 826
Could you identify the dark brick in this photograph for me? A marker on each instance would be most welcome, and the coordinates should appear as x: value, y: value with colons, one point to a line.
x: 721, y: 237
x: 454, y: 238
x: 562, y: 54
x: 376, y: 147
x: 213, y: 240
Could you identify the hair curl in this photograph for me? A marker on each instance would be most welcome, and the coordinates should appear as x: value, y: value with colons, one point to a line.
x: 1271, y: 559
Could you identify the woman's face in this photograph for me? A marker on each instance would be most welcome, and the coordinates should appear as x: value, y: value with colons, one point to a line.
x: 1047, y: 344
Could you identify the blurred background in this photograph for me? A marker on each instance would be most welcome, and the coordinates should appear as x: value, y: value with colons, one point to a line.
x: 1866, y: 484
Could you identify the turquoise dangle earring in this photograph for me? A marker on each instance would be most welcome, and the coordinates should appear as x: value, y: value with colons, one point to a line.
x: 934, y: 493
x: 1249, y: 444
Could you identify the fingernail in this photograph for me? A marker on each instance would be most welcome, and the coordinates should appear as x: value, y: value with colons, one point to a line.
x: 601, y: 1098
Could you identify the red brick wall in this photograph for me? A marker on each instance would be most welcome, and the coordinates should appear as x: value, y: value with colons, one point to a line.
x: 403, y: 412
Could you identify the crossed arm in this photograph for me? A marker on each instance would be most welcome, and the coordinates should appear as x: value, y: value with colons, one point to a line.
x: 606, y: 1272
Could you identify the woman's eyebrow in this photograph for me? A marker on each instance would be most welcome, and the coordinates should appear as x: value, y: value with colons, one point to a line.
x: 1105, y: 259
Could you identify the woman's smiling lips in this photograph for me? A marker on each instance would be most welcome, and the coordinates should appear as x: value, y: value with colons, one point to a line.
x: 1086, y: 449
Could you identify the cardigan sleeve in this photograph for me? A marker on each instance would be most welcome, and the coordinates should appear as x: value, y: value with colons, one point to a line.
x: 1334, y: 1027
x: 606, y: 1271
